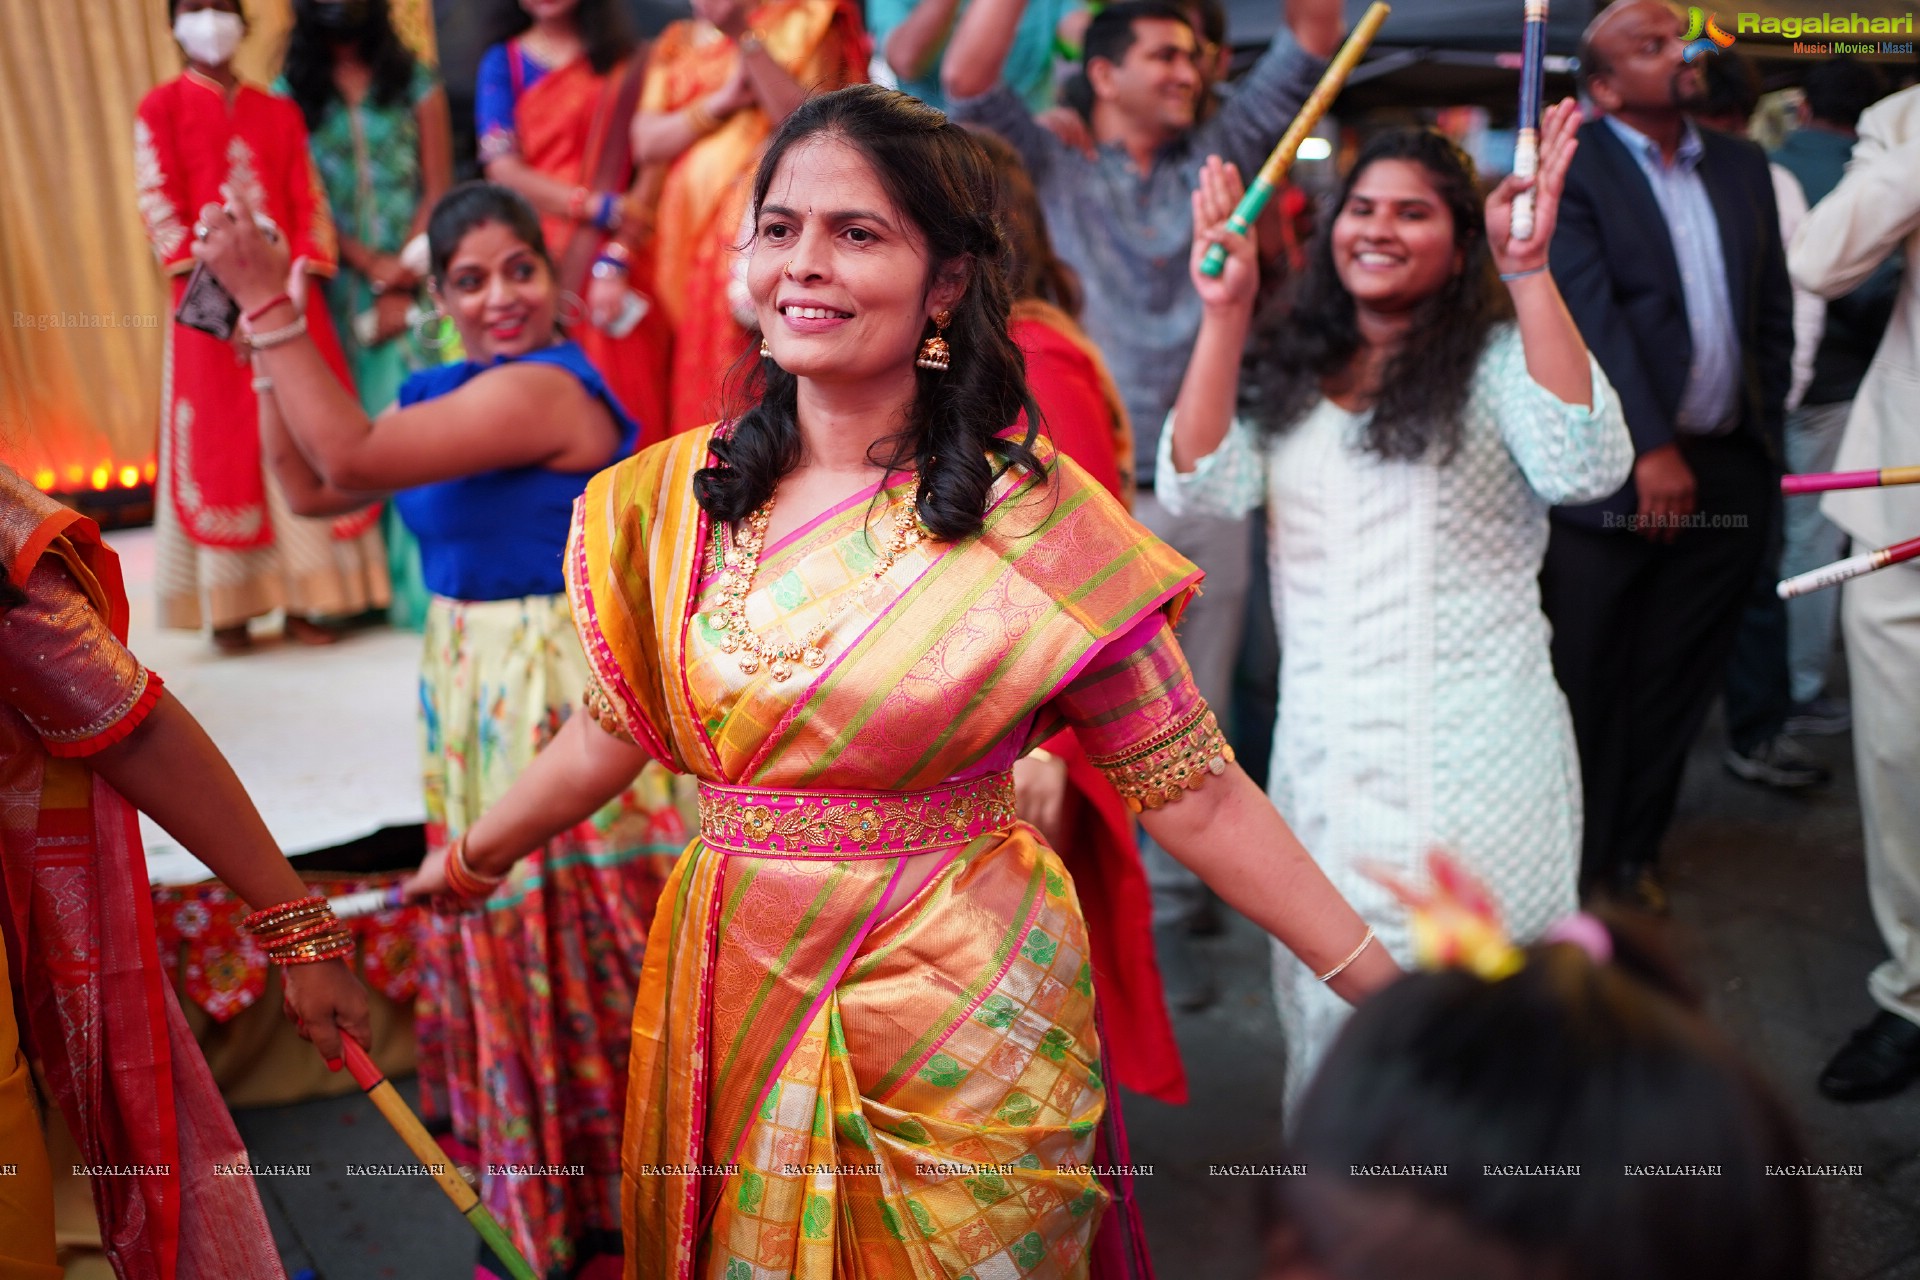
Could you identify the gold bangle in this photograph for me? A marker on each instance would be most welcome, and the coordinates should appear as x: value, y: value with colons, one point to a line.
x: 281, y: 912
x: 335, y: 944
x: 1352, y: 955
x: 701, y: 120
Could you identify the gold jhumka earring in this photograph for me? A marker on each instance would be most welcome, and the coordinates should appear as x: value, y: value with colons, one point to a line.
x: 935, y: 354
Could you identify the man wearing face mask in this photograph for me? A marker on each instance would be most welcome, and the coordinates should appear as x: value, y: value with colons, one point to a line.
x: 228, y: 549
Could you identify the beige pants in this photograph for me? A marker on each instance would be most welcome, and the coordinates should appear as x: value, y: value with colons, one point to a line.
x: 1880, y: 614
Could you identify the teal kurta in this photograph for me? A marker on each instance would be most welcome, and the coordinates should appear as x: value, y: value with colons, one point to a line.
x: 368, y: 156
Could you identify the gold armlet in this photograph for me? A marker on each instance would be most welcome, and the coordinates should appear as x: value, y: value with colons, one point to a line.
x: 1173, y: 763
x: 600, y: 707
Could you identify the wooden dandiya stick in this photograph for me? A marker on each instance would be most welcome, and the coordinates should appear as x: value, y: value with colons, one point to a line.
x: 428, y: 1152
x: 1852, y: 567
x: 1821, y: 481
x: 1526, y: 148
x: 1271, y: 174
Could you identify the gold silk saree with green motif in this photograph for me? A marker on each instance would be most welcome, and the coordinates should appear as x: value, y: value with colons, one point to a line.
x: 821, y: 1088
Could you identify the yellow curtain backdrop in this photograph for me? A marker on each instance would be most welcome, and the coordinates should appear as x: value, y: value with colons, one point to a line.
x: 83, y: 308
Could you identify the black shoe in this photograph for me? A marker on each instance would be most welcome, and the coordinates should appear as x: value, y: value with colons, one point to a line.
x: 1880, y: 1060
x: 1780, y: 763
x: 1819, y: 718
x: 1632, y: 889
x: 1185, y: 974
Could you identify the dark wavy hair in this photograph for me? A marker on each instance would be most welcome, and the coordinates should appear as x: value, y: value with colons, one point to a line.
x: 1316, y: 334
x: 938, y: 176
x: 309, y: 64
x: 475, y: 204
x: 1034, y: 270
x: 1568, y: 1062
x: 602, y: 25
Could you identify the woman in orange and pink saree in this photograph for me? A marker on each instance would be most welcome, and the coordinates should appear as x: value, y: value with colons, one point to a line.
x: 867, y: 1042
x: 718, y: 84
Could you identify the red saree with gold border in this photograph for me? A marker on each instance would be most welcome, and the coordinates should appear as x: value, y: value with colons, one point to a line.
x: 78, y: 922
x: 820, y: 1088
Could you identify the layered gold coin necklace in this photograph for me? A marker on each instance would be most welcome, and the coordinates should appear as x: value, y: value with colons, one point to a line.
x: 742, y: 561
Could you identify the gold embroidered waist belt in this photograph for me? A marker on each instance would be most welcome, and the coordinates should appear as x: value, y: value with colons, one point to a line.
x: 853, y: 824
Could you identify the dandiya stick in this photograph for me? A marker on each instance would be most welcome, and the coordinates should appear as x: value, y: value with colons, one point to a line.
x: 367, y: 902
x: 1821, y: 481
x: 1254, y: 202
x: 1852, y: 567
x: 1533, y: 75
x: 428, y: 1152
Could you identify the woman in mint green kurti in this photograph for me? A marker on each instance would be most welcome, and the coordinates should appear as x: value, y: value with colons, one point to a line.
x: 1410, y: 419
x: 380, y: 134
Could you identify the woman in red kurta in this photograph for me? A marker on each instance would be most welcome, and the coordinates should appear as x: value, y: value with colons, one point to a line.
x: 228, y: 547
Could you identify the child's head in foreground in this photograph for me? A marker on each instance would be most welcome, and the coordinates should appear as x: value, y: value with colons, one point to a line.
x: 1570, y: 1061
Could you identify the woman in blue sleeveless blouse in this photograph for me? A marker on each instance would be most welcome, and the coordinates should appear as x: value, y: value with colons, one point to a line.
x: 527, y: 990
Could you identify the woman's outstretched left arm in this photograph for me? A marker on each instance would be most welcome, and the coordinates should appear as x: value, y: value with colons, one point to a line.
x: 1233, y: 838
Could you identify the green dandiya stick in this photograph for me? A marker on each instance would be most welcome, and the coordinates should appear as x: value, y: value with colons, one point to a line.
x: 374, y: 1082
x: 1275, y: 169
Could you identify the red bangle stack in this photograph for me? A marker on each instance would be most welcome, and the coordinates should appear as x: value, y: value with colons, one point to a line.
x: 462, y: 879
x: 303, y: 931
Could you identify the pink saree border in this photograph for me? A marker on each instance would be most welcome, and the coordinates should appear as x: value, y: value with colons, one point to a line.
x: 599, y: 652
x: 1085, y: 660
x: 702, y: 531
x: 954, y: 813
x: 693, y: 1157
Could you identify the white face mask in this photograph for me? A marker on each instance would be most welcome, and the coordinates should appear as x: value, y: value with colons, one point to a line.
x: 209, y: 35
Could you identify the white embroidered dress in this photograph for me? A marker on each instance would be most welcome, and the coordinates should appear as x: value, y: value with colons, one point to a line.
x: 1418, y: 707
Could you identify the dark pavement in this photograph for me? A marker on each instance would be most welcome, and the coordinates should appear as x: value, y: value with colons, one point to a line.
x: 1770, y: 908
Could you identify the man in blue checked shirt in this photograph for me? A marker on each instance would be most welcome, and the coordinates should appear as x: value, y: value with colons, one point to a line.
x: 1123, y: 218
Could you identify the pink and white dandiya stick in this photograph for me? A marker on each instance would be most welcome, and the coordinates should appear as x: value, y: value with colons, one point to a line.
x: 1526, y: 147
x: 1852, y: 567
x: 1821, y: 481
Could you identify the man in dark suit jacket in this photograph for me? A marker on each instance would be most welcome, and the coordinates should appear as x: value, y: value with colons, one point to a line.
x: 1668, y: 253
